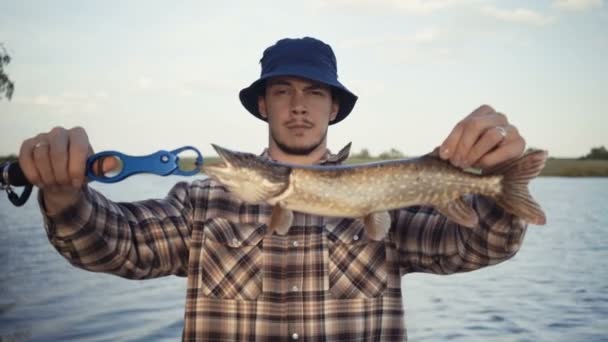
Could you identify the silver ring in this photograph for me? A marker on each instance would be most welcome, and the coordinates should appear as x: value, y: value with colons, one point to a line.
x: 40, y: 144
x: 502, y: 131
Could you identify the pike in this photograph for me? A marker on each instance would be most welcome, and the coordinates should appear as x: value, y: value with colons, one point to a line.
x: 369, y: 191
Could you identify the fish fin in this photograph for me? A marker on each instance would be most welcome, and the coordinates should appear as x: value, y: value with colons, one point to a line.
x: 459, y: 212
x: 515, y: 196
x: 280, y: 220
x: 345, y: 151
x: 434, y: 153
x: 377, y: 225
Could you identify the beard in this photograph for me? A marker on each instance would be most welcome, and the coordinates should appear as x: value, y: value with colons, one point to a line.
x: 298, y: 150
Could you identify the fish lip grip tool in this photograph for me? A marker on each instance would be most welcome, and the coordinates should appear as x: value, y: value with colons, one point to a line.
x: 162, y: 163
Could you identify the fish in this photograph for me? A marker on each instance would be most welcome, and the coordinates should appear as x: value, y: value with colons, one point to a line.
x: 369, y: 191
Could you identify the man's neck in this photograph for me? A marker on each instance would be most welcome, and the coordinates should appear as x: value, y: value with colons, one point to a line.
x: 309, y: 159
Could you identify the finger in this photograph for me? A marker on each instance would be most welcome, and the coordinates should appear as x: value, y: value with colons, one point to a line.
x: 42, y: 161
x: 79, y: 150
x: 489, y: 140
x: 110, y: 164
x: 449, y: 144
x: 503, y: 153
x: 58, y: 151
x: 474, y: 128
x: 481, y: 111
x: 103, y: 165
x: 26, y: 162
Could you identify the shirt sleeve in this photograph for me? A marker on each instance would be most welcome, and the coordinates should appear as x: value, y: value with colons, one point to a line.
x: 425, y: 241
x: 137, y: 240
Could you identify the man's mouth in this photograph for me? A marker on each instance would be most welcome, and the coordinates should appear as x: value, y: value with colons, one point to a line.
x: 299, y: 126
x: 298, y: 130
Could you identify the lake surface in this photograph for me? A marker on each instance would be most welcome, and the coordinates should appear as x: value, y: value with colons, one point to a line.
x: 554, y: 289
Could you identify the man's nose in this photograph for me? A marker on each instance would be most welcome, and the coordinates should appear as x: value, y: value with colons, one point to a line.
x: 298, y: 105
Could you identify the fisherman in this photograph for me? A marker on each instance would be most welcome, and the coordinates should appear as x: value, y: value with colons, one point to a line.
x: 323, y: 280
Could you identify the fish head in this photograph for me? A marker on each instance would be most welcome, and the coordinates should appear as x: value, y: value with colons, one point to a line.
x: 250, y: 177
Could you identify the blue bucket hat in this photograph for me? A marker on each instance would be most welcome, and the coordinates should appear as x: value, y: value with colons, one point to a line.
x: 305, y: 57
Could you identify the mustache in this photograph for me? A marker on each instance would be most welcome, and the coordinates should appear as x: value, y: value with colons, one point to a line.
x: 295, y: 123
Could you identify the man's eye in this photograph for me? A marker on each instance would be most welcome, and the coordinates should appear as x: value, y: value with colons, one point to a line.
x: 318, y: 93
x: 280, y: 92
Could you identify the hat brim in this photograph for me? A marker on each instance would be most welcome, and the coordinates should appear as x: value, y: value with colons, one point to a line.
x: 346, y: 99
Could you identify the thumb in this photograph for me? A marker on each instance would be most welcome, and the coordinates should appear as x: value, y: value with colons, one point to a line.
x: 105, y: 164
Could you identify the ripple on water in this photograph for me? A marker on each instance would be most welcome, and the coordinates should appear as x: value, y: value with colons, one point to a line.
x: 564, y: 325
x: 496, y: 318
x: 477, y: 328
x: 455, y: 336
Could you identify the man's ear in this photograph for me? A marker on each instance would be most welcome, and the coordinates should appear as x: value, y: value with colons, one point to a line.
x: 262, y: 107
x: 335, y: 107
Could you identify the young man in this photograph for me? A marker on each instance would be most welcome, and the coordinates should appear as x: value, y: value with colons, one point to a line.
x: 324, y: 280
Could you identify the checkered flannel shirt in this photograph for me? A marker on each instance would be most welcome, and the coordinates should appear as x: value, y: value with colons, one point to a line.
x: 323, y: 281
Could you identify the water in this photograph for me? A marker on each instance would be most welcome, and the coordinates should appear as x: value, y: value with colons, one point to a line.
x: 554, y: 289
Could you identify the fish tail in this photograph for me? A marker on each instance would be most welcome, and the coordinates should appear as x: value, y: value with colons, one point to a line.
x: 515, y: 196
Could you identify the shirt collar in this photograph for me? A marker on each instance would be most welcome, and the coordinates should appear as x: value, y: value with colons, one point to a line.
x: 328, y: 158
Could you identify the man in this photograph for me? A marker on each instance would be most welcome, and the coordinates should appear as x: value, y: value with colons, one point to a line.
x: 323, y: 280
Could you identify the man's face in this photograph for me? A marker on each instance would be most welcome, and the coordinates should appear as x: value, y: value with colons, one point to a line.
x: 298, y: 113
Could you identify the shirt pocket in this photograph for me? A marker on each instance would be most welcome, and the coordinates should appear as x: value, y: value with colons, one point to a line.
x: 231, y: 260
x: 357, y: 265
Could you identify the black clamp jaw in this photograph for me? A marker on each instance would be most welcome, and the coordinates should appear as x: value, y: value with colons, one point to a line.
x: 5, y: 184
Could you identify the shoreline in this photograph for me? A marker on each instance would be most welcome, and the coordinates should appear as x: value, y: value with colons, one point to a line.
x: 554, y: 167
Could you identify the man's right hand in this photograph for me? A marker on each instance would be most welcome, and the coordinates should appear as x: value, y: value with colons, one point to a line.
x: 55, y: 162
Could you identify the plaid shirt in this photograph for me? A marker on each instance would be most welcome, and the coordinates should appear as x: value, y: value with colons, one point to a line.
x: 324, y: 280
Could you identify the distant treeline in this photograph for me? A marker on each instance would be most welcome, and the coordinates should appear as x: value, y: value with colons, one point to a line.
x: 11, y: 157
x: 597, y: 153
x: 390, y: 154
x: 594, y: 164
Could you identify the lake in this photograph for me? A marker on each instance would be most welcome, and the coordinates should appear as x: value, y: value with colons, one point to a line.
x: 554, y: 289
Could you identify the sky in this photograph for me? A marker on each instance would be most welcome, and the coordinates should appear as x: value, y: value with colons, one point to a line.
x: 141, y: 76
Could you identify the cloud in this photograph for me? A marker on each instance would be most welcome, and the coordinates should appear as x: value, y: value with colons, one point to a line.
x: 144, y: 83
x: 417, y: 7
x: 67, y: 103
x: 182, y: 85
x: 577, y: 5
x: 424, y: 36
x: 518, y: 16
x: 430, y: 45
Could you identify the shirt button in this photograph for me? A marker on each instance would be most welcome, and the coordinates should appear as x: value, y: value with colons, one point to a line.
x: 294, y: 336
x: 294, y: 288
x: 295, y: 243
x: 235, y: 241
x: 356, y: 237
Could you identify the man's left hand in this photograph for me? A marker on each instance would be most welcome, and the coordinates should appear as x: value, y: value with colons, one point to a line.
x: 482, y: 139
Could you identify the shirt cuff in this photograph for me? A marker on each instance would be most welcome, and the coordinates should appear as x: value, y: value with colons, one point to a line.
x: 503, y: 229
x: 69, y: 221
